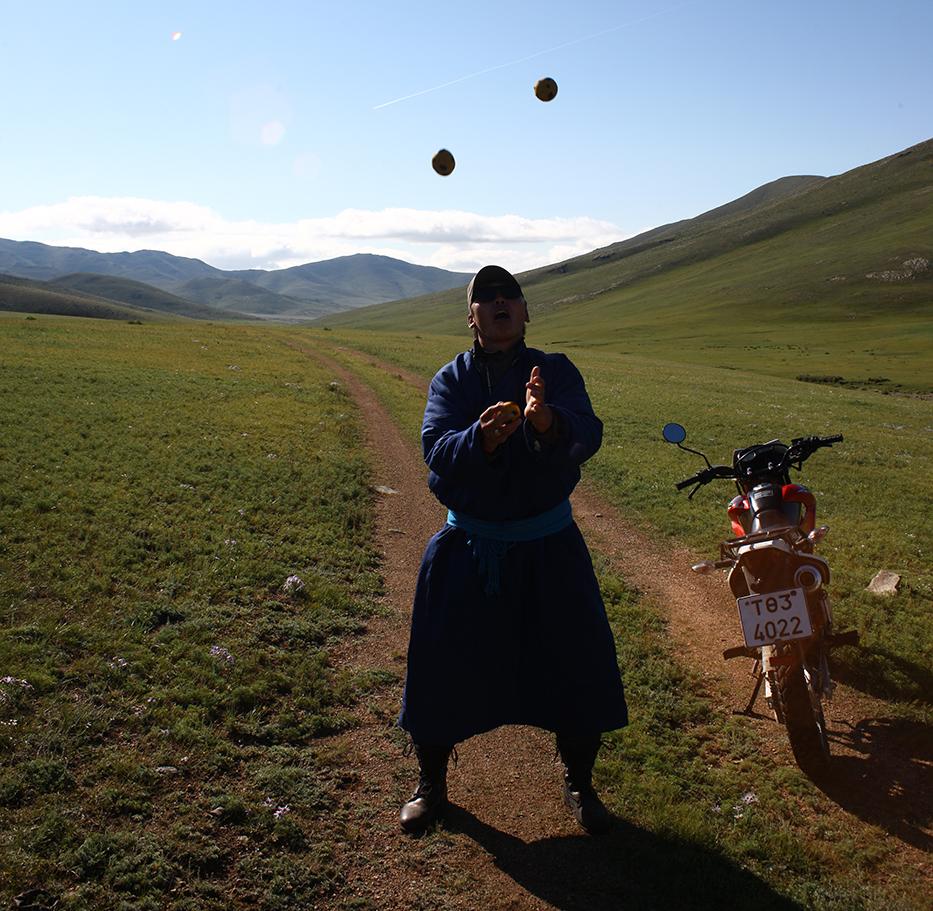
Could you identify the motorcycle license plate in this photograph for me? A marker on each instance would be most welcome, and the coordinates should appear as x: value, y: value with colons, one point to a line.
x: 774, y: 617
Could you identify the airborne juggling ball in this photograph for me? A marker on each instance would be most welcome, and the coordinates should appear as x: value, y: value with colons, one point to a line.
x: 546, y: 89
x: 443, y: 162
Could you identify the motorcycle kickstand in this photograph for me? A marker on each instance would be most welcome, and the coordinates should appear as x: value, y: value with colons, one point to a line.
x: 760, y: 676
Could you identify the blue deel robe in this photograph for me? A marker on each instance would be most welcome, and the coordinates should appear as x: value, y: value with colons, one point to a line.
x: 540, y: 652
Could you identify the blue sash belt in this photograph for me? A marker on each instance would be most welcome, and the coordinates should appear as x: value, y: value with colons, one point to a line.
x: 491, y: 540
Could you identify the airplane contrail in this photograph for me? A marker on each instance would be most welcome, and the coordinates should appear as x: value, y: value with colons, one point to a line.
x: 550, y: 50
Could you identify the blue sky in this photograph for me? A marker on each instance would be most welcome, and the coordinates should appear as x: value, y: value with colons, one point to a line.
x: 261, y: 136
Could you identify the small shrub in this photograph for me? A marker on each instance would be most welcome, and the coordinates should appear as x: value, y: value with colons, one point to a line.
x: 196, y: 851
x: 53, y: 833
x: 152, y: 616
x: 287, y: 833
x: 46, y: 776
x: 229, y: 810
x: 126, y: 862
x: 127, y: 800
x: 12, y: 789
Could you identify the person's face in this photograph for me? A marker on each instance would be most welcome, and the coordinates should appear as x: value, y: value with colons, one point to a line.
x: 500, y: 322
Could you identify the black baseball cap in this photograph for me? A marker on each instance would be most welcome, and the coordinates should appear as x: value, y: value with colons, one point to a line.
x: 493, y: 278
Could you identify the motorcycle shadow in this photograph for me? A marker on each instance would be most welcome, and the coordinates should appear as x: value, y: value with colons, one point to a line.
x: 885, y: 777
x: 627, y: 867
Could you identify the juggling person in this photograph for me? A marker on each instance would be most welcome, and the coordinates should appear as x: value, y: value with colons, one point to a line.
x: 508, y: 625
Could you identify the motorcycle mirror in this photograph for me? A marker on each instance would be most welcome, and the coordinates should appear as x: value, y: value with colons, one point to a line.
x: 674, y: 433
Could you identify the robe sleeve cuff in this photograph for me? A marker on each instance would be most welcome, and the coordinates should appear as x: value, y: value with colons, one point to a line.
x: 552, y: 439
x: 496, y: 460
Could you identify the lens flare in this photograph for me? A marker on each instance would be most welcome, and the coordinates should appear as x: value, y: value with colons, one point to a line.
x: 176, y: 36
x: 272, y: 133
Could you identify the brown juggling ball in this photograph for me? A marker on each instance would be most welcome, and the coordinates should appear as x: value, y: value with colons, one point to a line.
x: 443, y: 162
x: 546, y: 89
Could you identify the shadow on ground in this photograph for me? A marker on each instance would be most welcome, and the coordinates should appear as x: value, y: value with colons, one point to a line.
x: 889, y: 780
x: 626, y: 868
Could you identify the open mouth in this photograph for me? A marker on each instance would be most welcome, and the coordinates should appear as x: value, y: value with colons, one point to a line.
x: 502, y: 315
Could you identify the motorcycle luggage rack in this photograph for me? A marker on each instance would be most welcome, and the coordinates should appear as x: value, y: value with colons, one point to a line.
x: 790, y: 533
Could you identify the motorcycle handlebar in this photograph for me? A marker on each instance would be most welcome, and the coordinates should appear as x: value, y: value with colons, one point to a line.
x: 705, y: 475
x: 799, y: 450
x: 804, y: 447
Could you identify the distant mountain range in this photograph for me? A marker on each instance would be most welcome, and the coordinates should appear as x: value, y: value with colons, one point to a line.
x: 189, y: 287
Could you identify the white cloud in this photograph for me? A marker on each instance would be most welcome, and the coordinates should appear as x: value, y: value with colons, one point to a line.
x: 449, y: 239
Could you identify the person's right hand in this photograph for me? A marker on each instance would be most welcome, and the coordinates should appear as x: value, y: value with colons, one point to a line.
x: 497, y: 423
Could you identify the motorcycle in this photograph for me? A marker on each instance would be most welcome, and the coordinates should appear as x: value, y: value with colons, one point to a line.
x: 779, y: 584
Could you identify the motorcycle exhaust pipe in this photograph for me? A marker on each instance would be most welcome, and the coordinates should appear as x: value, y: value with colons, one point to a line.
x: 808, y: 578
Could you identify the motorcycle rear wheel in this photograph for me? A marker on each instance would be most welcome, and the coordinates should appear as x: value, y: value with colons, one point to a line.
x: 804, y: 720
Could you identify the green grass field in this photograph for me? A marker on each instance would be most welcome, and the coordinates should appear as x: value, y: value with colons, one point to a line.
x: 163, y: 700
x: 163, y: 695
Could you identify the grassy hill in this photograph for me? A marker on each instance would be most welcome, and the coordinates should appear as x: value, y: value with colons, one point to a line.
x: 139, y: 294
x: 297, y: 293
x: 826, y: 278
x: 239, y: 295
x: 42, y: 261
x: 355, y: 281
x: 25, y: 296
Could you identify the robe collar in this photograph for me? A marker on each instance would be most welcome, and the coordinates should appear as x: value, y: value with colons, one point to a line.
x: 493, y: 365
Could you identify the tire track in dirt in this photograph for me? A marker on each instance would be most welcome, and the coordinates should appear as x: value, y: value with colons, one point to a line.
x: 882, y: 769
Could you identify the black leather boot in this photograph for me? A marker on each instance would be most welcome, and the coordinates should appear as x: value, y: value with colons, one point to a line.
x: 578, y: 755
x: 430, y: 799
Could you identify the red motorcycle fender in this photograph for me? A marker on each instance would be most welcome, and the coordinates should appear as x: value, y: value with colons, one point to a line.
x: 738, y: 515
x: 797, y: 493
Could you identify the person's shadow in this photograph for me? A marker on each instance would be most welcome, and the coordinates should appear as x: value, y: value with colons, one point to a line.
x: 627, y: 868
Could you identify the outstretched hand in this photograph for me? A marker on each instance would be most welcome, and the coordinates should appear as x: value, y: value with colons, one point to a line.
x: 536, y: 410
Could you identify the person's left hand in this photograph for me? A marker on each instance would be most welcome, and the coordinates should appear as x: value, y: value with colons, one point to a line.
x: 536, y: 410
